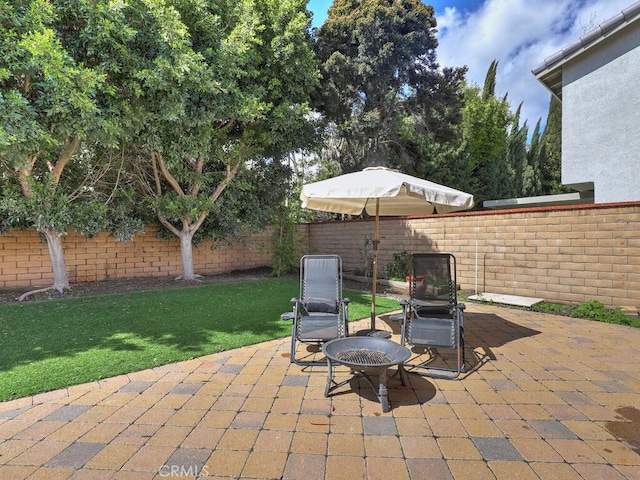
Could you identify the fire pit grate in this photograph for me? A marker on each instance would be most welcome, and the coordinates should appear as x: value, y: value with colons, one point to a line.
x: 364, y: 356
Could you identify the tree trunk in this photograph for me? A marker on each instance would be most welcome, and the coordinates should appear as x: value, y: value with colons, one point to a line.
x: 186, y: 250
x: 54, y: 242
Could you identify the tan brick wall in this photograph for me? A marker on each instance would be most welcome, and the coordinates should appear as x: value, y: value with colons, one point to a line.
x: 561, y: 254
x: 25, y: 262
x: 570, y: 254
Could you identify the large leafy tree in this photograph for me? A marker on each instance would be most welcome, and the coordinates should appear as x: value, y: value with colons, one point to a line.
x: 378, y: 61
x: 498, y: 162
x: 198, y: 92
x: 52, y: 117
x: 427, y: 134
x: 229, y: 116
x: 485, y: 135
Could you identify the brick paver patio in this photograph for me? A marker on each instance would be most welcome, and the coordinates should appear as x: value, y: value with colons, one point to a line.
x: 554, y: 398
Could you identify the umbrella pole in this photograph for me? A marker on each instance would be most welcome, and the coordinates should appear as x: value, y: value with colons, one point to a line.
x: 376, y: 241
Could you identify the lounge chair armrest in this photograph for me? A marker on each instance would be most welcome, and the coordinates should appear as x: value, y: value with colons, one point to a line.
x: 346, y: 301
x: 294, y: 301
x: 287, y: 316
x: 405, y: 307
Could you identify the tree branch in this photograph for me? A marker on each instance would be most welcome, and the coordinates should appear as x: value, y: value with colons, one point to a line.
x: 351, y: 150
x: 198, y: 167
x: 24, y: 174
x: 227, y: 125
x: 231, y: 173
x: 117, y: 182
x: 167, y: 175
x: 69, y: 149
x: 169, y: 225
x: 156, y: 174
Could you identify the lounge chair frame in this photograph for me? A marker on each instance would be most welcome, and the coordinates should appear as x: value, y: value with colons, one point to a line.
x: 320, y: 313
x: 432, y: 317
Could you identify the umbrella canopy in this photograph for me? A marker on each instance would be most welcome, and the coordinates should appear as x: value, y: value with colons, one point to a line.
x: 379, y: 192
x: 399, y: 194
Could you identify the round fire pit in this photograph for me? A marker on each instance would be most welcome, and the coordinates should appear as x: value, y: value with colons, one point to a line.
x: 366, y: 356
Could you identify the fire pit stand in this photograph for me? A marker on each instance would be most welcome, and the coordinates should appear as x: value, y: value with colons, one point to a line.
x: 366, y: 356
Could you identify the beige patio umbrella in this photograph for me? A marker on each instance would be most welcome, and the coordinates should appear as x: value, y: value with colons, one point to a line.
x: 381, y: 191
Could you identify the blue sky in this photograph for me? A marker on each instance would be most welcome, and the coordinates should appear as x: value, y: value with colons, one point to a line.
x: 520, y: 34
x: 320, y: 7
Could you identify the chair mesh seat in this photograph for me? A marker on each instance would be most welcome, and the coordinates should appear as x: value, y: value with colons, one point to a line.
x: 319, y: 328
x: 432, y: 332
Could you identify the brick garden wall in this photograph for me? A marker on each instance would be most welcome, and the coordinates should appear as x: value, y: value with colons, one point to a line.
x: 561, y: 254
x: 25, y: 261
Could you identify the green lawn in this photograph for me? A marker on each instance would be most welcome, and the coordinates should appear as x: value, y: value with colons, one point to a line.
x: 52, y: 344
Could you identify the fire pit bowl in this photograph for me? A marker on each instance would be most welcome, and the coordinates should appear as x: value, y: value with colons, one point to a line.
x: 366, y: 356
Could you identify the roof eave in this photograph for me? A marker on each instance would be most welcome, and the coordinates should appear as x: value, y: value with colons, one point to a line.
x: 549, y: 72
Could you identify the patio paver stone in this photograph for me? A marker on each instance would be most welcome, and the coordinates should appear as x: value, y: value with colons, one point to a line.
x: 545, y: 397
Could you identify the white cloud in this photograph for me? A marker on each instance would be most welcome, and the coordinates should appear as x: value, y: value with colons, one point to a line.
x: 520, y: 34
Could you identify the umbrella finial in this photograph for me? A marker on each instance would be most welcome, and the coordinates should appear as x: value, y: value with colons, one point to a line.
x: 368, y: 169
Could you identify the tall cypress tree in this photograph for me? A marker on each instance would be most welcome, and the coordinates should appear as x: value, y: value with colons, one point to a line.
x: 551, y: 142
x: 517, y: 170
x: 532, y: 178
x: 489, y: 89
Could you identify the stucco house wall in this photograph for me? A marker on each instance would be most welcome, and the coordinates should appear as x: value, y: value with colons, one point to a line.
x: 600, y: 118
x: 596, y: 78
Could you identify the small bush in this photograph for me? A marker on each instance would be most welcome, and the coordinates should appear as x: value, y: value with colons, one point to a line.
x: 595, y: 310
x: 399, y: 269
x: 591, y: 310
x: 554, y: 308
